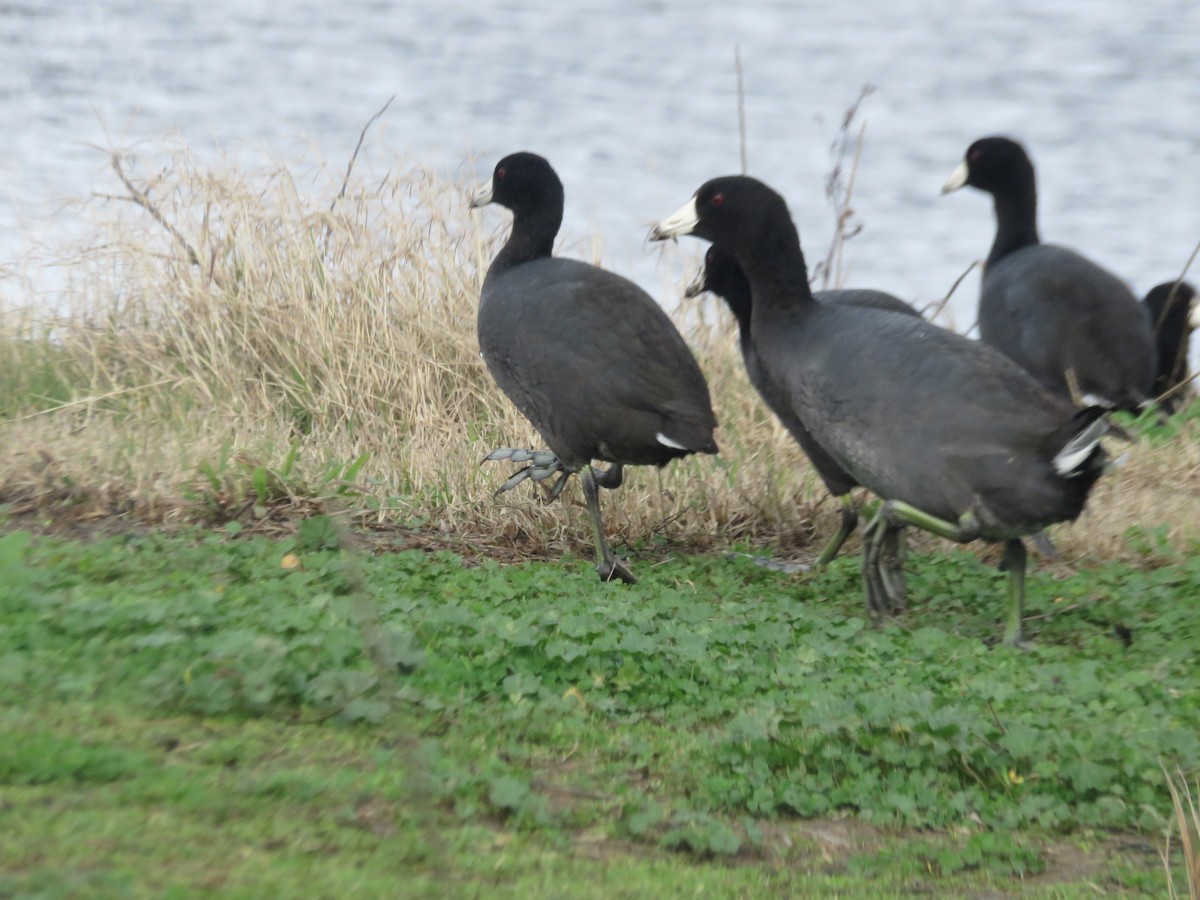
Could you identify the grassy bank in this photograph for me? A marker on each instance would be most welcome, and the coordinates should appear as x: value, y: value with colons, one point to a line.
x: 225, y: 344
x: 208, y: 683
x: 277, y: 342
x: 202, y: 713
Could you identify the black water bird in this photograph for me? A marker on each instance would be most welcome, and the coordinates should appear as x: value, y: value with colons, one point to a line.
x: 586, y: 355
x: 951, y: 434
x: 1174, y: 314
x: 721, y: 276
x: 1076, y: 327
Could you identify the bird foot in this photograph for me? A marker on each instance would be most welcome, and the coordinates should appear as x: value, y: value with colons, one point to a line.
x: 520, y: 455
x: 612, y: 569
x: 890, y: 565
x: 883, y: 565
x: 542, y: 465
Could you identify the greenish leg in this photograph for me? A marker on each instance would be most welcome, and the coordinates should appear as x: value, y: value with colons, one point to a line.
x: 897, y: 512
x: 890, y: 563
x: 1014, y: 562
x: 557, y: 487
x: 883, y: 564
x: 883, y: 550
x: 873, y: 585
x: 849, y: 522
x: 607, y: 565
x: 889, y: 547
x: 964, y: 531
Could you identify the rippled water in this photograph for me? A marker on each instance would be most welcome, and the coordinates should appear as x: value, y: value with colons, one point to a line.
x: 634, y: 102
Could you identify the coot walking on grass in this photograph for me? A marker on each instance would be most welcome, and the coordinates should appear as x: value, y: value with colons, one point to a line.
x: 1077, y: 328
x: 721, y: 275
x: 587, y: 356
x: 950, y: 433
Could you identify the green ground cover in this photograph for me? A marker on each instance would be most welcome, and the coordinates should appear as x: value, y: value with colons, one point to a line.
x: 199, y: 712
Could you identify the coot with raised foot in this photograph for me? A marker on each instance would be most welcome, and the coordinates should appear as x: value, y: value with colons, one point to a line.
x: 586, y: 355
x: 1077, y: 328
x: 721, y: 276
x: 954, y: 436
x: 1173, y: 313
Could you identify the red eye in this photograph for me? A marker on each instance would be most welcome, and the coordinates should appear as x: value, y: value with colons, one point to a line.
x: 717, y: 199
x: 974, y: 155
x: 501, y: 172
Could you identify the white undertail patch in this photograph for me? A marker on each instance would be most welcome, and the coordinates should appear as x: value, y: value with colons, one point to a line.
x: 1068, y: 460
x: 667, y: 442
x: 1096, y: 400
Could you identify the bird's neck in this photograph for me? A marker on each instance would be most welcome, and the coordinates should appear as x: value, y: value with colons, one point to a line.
x: 1016, y: 218
x: 740, y: 305
x: 532, y: 238
x: 775, y: 268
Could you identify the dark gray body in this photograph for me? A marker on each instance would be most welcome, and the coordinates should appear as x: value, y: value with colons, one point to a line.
x: 916, y: 413
x: 1053, y: 311
x: 724, y: 277
x: 835, y: 478
x: 953, y: 436
x: 594, y: 364
x: 866, y: 297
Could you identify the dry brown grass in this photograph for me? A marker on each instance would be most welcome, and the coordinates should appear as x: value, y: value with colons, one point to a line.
x: 152, y: 386
x: 343, y: 331
x: 1187, y: 820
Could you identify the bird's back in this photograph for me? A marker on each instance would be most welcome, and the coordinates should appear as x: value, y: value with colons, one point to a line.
x: 1053, y: 312
x: 593, y: 362
x: 917, y: 413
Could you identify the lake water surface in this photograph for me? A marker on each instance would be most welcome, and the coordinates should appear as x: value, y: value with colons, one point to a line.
x: 634, y: 102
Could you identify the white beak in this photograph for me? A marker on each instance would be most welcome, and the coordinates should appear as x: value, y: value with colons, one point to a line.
x: 957, y: 178
x: 483, y: 196
x: 681, y: 222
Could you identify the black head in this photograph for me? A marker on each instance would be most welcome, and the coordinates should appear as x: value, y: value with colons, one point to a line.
x: 748, y: 220
x: 727, y: 211
x: 1170, y: 309
x: 723, y: 277
x: 524, y: 183
x: 992, y: 164
x: 1170, y: 296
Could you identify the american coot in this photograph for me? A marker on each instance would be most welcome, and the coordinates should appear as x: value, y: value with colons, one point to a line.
x: 1074, y: 326
x: 721, y: 275
x: 587, y: 356
x: 952, y: 435
x: 1171, y: 310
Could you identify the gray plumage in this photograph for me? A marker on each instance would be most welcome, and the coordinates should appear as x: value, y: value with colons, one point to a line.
x: 1074, y: 326
x: 722, y: 276
x: 594, y: 364
x: 951, y: 433
x: 586, y: 355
